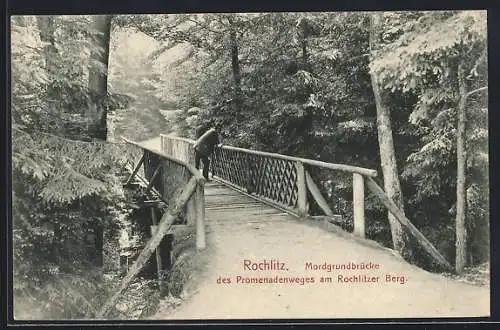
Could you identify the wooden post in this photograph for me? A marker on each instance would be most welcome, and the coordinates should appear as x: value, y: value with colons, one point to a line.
x: 200, y: 217
x: 358, y: 201
x: 191, y: 210
x: 191, y: 155
x: 301, y: 189
x: 159, y: 264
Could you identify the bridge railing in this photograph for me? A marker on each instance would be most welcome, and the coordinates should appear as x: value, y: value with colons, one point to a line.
x: 179, y: 184
x: 280, y: 180
x: 182, y: 149
x: 178, y: 147
x: 284, y: 181
x: 168, y: 175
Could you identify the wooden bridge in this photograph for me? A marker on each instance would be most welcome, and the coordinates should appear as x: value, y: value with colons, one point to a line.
x: 254, y: 190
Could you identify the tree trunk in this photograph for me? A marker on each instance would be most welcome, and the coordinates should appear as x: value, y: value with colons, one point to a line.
x: 97, y: 113
x: 235, y: 62
x: 46, y: 25
x: 461, y: 233
x: 392, y: 185
x: 235, y: 67
x: 303, y: 33
x: 98, y: 78
x: 304, y: 53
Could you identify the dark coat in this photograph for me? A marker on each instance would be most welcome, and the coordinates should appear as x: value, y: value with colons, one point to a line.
x: 206, y: 147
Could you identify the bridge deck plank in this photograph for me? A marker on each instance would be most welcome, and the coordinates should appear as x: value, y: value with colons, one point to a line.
x: 225, y: 206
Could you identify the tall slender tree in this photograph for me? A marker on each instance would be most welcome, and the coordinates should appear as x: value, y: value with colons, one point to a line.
x: 97, y: 110
x: 303, y: 31
x: 98, y: 77
x: 386, y: 144
x: 47, y: 26
x: 441, y: 57
x: 461, y: 233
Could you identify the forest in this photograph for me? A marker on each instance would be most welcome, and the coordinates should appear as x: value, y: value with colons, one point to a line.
x: 404, y: 93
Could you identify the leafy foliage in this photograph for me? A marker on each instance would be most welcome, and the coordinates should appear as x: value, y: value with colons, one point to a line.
x: 421, y: 58
x: 65, y: 191
x: 307, y: 92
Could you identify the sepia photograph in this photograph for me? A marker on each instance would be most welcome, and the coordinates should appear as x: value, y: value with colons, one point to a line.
x: 250, y: 166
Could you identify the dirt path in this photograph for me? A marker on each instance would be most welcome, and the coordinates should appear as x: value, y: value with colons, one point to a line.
x: 240, y: 229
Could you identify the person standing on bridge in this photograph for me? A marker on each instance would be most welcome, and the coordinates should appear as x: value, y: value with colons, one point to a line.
x: 207, y: 138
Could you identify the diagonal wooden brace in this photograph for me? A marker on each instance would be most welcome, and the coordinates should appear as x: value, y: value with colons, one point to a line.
x: 318, y: 197
x: 400, y: 216
x: 153, y: 177
x: 134, y: 172
x: 162, y: 229
x: 155, y: 192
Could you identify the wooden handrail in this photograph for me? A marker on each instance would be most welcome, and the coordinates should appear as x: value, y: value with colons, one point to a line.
x: 331, y: 166
x: 179, y: 138
x: 189, y: 167
x: 295, y: 202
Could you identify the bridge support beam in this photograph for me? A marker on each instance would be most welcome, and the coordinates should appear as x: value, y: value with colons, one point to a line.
x: 159, y: 264
x: 153, y: 177
x: 318, y: 197
x: 358, y: 201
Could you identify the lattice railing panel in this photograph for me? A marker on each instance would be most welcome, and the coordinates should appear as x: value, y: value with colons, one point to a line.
x: 268, y: 177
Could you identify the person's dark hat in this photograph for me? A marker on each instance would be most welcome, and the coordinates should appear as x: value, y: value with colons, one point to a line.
x: 194, y: 111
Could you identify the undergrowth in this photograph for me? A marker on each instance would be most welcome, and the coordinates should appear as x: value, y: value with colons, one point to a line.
x: 63, y: 296
x: 186, y: 273
x: 478, y: 275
